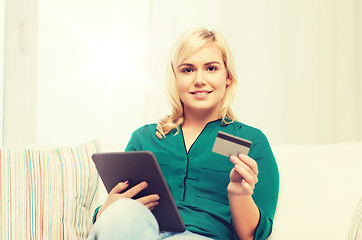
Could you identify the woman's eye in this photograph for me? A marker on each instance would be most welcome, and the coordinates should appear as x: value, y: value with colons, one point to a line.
x: 187, y: 70
x: 211, y: 68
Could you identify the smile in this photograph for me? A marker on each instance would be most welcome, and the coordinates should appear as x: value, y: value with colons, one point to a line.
x: 201, y: 93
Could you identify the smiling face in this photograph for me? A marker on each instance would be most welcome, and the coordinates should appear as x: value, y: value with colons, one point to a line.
x: 202, y: 80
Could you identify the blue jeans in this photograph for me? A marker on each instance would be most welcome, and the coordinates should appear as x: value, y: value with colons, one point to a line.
x: 128, y: 219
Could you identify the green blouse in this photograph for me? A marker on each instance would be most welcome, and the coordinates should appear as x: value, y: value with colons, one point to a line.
x: 198, y: 179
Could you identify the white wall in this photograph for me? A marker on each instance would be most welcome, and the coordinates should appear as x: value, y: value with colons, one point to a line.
x: 92, y: 76
x: 297, y: 63
x: 97, y: 69
x: 2, y: 58
x: 20, y: 72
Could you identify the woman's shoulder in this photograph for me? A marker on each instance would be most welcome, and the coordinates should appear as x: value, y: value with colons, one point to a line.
x: 244, y: 129
x: 145, y: 129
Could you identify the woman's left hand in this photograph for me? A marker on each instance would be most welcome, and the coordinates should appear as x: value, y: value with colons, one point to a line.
x: 243, y: 176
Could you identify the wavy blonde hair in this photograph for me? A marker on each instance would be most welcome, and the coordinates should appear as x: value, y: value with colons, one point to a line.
x: 189, y: 44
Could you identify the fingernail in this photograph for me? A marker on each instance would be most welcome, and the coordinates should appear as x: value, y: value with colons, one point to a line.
x: 126, y: 182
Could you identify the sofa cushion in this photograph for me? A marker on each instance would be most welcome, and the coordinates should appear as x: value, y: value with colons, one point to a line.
x: 47, y: 192
x: 320, y: 188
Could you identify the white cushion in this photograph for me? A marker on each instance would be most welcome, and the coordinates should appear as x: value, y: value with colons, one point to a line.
x: 320, y: 187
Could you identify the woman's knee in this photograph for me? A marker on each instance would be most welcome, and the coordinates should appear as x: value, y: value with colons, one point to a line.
x: 127, y: 218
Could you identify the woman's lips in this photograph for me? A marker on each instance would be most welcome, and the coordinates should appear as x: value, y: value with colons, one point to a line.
x: 200, y: 93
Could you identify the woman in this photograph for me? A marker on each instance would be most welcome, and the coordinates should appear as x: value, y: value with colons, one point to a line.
x: 218, y: 197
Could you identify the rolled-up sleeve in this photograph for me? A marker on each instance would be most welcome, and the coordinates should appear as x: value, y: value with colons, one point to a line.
x: 267, y: 189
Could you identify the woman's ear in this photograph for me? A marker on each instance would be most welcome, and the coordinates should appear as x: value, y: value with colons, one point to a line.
x: 228, y: 81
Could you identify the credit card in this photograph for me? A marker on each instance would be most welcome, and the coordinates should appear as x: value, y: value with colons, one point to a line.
x: 227, y: 145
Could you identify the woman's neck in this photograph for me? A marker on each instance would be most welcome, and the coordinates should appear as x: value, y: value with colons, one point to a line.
x: 198, y: 120
x: 192, y: 128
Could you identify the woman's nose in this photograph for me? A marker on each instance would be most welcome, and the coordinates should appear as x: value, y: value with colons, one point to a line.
x: 199, y: 79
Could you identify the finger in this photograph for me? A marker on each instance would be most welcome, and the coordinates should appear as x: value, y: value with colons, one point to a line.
x: 148, y: 199
x: 248, y: 189
x: 250, y: 162
x: 237, y: 161
x: 119, y: 187
x: 234, y: 159
x: 247, y: 176
x: 235, y: 176
x: 151, y: 205
x: 135, y: 190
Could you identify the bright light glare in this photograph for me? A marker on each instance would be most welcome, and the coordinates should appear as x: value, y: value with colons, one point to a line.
x: 115, y: 58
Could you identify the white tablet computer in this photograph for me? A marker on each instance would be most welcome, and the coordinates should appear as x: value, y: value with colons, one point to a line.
x: 137, y: 167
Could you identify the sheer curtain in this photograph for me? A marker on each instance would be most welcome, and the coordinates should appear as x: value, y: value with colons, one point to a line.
x: 101, y: 66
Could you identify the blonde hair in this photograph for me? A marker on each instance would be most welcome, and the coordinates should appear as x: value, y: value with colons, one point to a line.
x: 189, y: 44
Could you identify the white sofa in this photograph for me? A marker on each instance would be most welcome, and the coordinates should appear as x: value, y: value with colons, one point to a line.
x: 52, y: 194
x: 320, y: 189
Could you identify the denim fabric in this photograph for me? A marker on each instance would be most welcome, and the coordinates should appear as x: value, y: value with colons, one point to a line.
x: 187, y: 235
x: 125, y: 219
x: 128, y: 219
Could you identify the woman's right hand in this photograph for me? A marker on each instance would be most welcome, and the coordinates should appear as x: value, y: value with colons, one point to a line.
x: 150, y: 201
